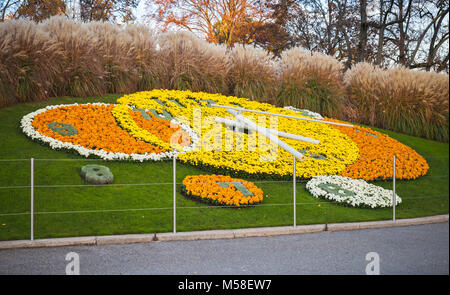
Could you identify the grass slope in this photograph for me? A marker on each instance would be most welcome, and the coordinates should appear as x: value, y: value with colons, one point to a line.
x: 425, y: 196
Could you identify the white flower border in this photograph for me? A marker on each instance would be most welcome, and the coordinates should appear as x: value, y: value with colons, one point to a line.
x: 310, y: 113
x: 28, y: 129
x: 366, y: 194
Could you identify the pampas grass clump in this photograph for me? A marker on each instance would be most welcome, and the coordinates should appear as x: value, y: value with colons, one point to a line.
x: 114, y: 50
x: 187, y: 62
x: 29, y: 63
x: 142, y: 43
x: 81, y: 68
x: 253, y: 73
x: 312, y: 81
x: 402, y: 100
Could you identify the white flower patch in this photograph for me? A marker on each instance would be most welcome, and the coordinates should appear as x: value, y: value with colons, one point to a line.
x: 304, y: 112
x: 28, y: 129
x: 354, y: 192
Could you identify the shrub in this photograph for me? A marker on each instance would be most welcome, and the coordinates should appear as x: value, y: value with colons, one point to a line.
x: 399, y: 99
x: 313, y: 81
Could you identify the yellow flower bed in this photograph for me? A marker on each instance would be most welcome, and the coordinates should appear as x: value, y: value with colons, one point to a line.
x: 334, y: 152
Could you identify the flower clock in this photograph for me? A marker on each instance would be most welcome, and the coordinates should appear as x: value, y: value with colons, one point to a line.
x: 221, y: 190
x: 352, y: 192
x: 158, y: 124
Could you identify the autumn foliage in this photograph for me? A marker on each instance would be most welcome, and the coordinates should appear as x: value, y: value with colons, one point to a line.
x: 221, y: 21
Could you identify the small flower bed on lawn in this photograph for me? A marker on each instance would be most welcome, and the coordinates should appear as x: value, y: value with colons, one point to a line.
x: 221, y: 190
x: 353, y: 192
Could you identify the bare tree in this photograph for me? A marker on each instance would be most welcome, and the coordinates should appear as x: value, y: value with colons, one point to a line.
x: 432, y: 38
x: 9, y: 7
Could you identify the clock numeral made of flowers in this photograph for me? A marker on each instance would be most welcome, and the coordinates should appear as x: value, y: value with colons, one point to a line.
x: 238, y: 185
x: 336, y: 189
x: 63, y: 128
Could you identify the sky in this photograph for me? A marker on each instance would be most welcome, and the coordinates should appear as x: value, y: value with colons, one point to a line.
x: 140, y: 11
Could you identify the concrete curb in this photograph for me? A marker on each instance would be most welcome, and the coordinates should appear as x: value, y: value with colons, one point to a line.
x: 75, y: 241
x: 387, y: 223
x: 217, y: 234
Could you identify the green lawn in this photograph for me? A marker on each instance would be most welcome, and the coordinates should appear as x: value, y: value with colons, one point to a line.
x: 425, y: 196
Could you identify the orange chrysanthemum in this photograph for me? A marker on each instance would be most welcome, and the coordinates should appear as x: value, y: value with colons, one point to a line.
x: 96, y: 129
x: 376, y: 156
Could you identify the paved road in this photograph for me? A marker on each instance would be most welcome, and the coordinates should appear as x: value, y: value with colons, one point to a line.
x: 420, y: 249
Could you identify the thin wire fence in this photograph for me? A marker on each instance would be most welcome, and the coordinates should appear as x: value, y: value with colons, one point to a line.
x: 193, y: 207
x: 42, y: 200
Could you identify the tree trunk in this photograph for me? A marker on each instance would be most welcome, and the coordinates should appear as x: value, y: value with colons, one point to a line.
x: 362, y: 44
x: 402, y: 38
x: 380, y: 35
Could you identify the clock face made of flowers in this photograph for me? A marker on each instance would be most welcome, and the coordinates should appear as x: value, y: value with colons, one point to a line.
x: 154, y: 125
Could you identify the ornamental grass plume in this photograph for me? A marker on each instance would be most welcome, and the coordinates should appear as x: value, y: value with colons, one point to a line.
x: 29, y: 62
x: 313, y: 81
x: 188, y: 63
x: 82, y: 71
x: 114, y: 49
x: 142, y: 44
x: 402, y: 100
x: 253, y: 73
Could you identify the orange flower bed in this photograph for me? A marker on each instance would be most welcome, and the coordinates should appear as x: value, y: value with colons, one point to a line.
x: 96, y: 129
x: 376, y: 156
x: 222, y: 190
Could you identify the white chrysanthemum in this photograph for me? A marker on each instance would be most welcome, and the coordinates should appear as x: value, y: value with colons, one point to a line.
x: 354, y: 192
x: 305, y: 112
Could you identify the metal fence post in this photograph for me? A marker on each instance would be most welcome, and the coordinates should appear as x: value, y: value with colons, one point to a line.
x: 394, y: 197
x: 295, y: 193
x: 32, y: 200
x: 175, y: 194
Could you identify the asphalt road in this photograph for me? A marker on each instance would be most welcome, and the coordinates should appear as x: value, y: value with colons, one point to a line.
x: 420, y: 249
